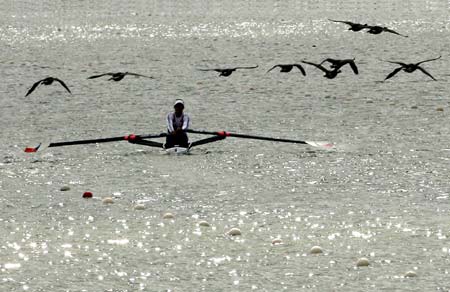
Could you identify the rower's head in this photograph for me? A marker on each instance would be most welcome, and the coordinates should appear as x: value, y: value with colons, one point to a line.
x: 179, y: 106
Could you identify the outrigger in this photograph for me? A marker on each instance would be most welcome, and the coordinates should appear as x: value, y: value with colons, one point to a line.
x: 143, y: 140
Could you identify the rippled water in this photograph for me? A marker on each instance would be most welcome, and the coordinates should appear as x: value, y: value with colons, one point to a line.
x: 383, y: 194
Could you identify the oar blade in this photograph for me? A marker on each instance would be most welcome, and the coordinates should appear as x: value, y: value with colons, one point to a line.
x: 318, y: 144
x: 321, y: 144
x: 129, y: 138
x: 32, y: 149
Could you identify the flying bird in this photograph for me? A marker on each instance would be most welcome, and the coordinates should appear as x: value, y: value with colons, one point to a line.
x: 337, y: 64
x: 47, y: 81
x: 330, y: 74
x: 228, y: 71
x: 379, y: 29
x: 119, y: 75
x: 353, y: 26
x: 288, y: 68
x: 409, y: 68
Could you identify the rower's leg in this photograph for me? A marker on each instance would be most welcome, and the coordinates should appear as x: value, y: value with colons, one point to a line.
x: 181, y: 139
x: 206, y: 140
x: 146, y: 143
x: 170, y: 141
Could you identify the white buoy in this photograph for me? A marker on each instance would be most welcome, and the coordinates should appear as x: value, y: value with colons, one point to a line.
x: 203, y: 224
x: 410, y: 274
x: 277, y: 241
x: 64, y: 188
x: 316, y: 250
x: 12, y: 266
x: 108, y: 200
x: 139, y: 207
x: 362, y: 262
x: 168, y: 216
x: 234, y: 232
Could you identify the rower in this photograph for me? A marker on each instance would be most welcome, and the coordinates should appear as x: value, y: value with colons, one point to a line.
x: 176, y: 138
x: 177, y: 124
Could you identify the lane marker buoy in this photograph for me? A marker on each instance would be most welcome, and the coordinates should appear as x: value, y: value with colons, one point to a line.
x: 234, y: 232
x: 168, y: 216
x: 362, y: 262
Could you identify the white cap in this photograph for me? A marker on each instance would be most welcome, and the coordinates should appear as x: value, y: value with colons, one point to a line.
x: 179, y: 101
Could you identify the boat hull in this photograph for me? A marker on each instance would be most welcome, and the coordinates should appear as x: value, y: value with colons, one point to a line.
x: 177, y: 150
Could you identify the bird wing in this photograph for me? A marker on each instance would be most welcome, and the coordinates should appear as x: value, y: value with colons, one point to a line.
x: 374, y: 29
x: 316, y: 65
x: 96, y: 76
x: 272, y: 68
x: 135, y: 74
x: 300, y: 67
x: 342, y: 21
x: 63, y: 84
x: 352, y: 65
x: 395, y: 62
x: 394, y: 32
x: 425, y: 72
x: 217, y: 70
x: 329, y: 60
x: 252, y: 67
x: 33, y: 87
x: 417, y: 64
x: 393, y: 73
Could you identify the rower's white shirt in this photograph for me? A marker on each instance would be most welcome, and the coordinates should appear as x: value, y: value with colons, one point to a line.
x: 174, y: 122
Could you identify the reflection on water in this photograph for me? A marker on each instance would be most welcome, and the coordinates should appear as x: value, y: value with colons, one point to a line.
x: 307, y: 217
x: 246, y: 29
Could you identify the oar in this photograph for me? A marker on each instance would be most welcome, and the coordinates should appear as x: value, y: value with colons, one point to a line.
x: 94, y: 141
x: 326, y: 145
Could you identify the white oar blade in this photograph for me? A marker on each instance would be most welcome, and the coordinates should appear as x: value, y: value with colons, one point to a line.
x: 321, y: 144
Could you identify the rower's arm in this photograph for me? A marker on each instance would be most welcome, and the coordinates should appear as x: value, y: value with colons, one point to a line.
x: 170, y: 123
x: 186, y: 122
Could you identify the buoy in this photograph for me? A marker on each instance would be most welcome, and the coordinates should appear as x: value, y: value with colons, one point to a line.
x: 12, y: 266
x: 362, y: 262
x: 316, y: 250
x: 108, y: 200
x: 168, y: 216
x: 234, y: 232
x: 64, y: 188
x: 203, y: 223
x: 139, y: 207
x: 87, y: 195
x: 410, y: 274
x: 277, y: 241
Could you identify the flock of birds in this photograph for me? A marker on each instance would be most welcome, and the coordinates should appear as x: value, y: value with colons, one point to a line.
x: 372, y: 29
x: 330, y: 73
x: 114, y: 76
